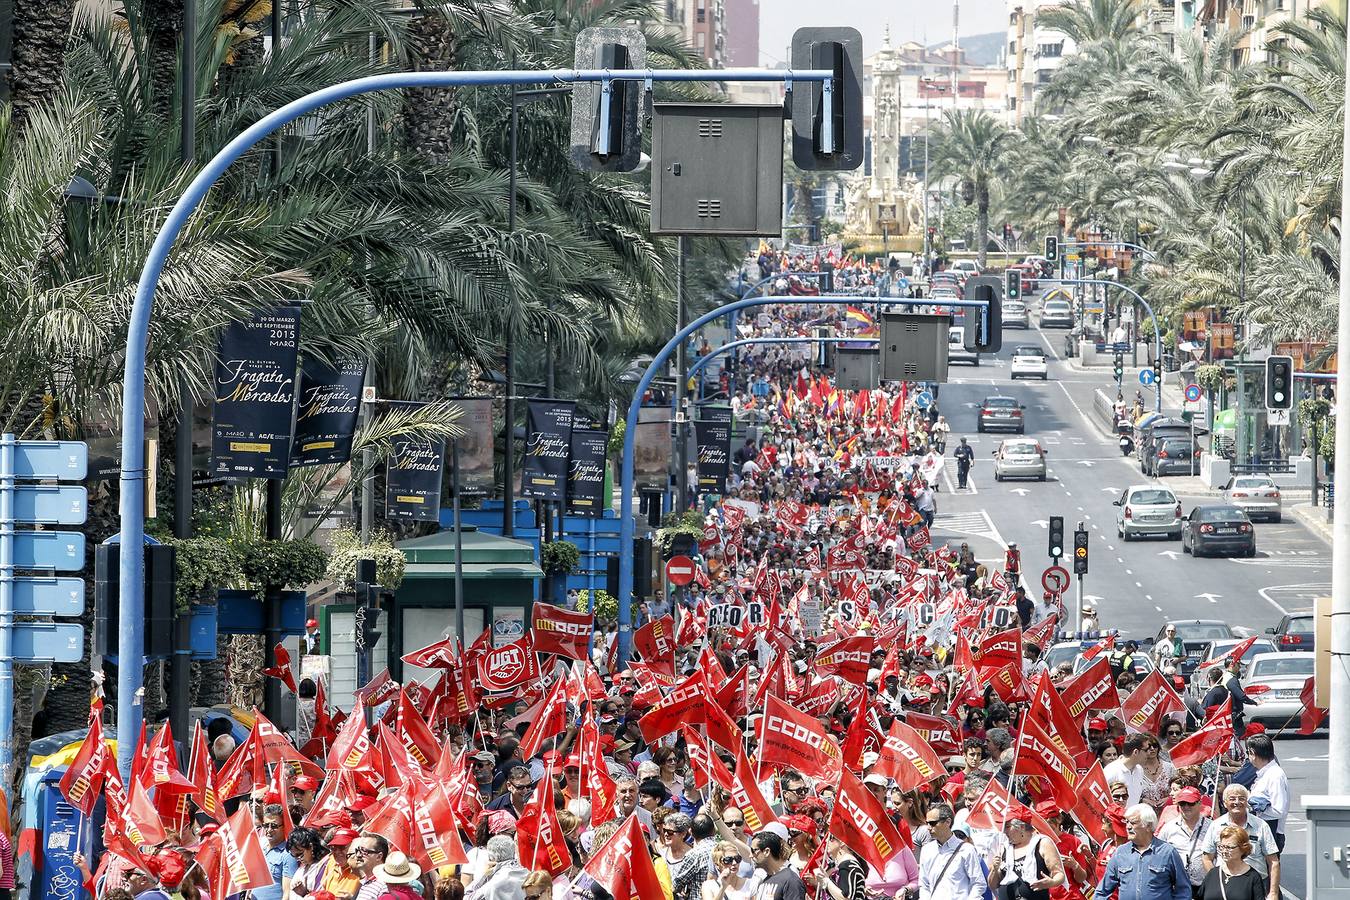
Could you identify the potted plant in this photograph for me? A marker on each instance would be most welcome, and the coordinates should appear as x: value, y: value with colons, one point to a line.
x: 558, y: 559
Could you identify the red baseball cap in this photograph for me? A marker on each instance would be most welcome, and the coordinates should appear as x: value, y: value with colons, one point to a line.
x: 1115, y: 814
x: 1188, y: 795
x: 1253, y: 728
x: 1048, y: 809
x: 305, y: 783
x: 342, y: 837
x: 362, y: 802
x: 1097, y: 724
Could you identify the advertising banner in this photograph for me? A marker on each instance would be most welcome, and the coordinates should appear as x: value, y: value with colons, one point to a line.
x: 652, y: 449
x: 586, y: 473
x: 255, y: 395
x: 412, y: 487
x: 548, y: 442
x: 712, y: 435
x: 476, y: 475
x: 330, y: 397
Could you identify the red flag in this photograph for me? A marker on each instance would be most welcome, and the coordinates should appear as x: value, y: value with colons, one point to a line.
x: 730, y: 697
x: 1049, y: 710
x: 442, y: 654
x: 1039, y: 754
x: 600, y: 786
x: 938, y: 731
x: 1041, y: 634
x: 551, y: 719
x: 623, y: 866
x: 849, y: 658
x: 993, y: 808
x: 1149, y: 702
x: 704, y: 763
x: 539, y: 838
x: 243, y: 863
x: 561, y: 631
x: 859, y: 728
x: 281, y: 786
x: 656, y: 642
x: 202, y: 774
x: 142, y: 821
x: 352, y: 748
x: 907, y: 758
x: 1108, y: 643
x: 998, y: 650
x: 684, y: 705
x: 435, y: 832
x: 83, y: 782
x: 1312, y: 715
x: 335, y: 797
x: 508, y: 667
x: 1212, y: 738
x: 721, y: 728
x: 790, y: 737
x: 746, y: 796
x: 1234, y: 652
x: 1094, y: 796
x: 1007, y: 682
x: 1092, y: 688
x: 860, y: 821
x: 282, y: 669
x: 415, y: 735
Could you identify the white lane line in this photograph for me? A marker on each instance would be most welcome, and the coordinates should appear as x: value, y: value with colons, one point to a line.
x: 1092, y: 428
x: 1138, y: 584
x: 1129, y: 572
x: 1148, y: 596
x: 1110, y: 547
x: 1158, y: 608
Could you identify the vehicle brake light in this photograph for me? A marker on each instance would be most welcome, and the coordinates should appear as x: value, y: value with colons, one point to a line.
x: 1129, y: 513
x: 1275, y: 494
x: 1254, y: 690
x: 1239, y: 493
x: 1287, y: 640
x: 1244, y: 528
x: 1178, y: 512
x: 1206, y: 529
x: 1017, y: 413
x: 1162, y: 454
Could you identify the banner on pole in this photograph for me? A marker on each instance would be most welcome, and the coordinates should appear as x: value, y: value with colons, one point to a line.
x: 712, y: 435
x: 413, y: 480
x: 330, y: 397
x: 652, y: 449
x: 255, y: 395
x: 586, y: 473
x: 548, y: 442
x: 476, y: 476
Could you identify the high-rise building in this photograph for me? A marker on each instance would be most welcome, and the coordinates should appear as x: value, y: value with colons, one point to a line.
x: 742, y: 33
x: 1034, y: 53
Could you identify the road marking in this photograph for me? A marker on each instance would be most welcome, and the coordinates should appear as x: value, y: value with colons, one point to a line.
x: 1092, y: 429
x: 1138, y: 584
x: 1080, y: 509
x: 1212, y: 598
x: 1119, y: 560
x: 1086, y: 462
x: 1148, y: 596
x: 1170, y: 554
x: 1110, y: 490
x: 1158, y: 608
x: 1129, y: 572
x: 1110, y: 547
x: 1021, y: 492
x: 1044, y: 523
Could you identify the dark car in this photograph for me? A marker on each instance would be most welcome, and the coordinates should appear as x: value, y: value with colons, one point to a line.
x: 1173, y: 456
x: 1148, y: 437
x: 1196, y: 635
x: 1295, y: 631
x: 1001, y: 414
x: 1218, y: 529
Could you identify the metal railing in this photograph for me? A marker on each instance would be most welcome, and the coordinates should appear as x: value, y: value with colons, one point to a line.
x: 1261, y: 467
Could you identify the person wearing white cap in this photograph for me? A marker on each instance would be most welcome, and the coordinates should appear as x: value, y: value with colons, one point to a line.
x: 397, y: 873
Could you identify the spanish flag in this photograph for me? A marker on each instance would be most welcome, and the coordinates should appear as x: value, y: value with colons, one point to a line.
x: 858, y: 317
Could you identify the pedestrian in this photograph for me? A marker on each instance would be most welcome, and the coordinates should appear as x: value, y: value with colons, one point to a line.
x: 1144, y: 868
x: 964, y: 456
x: 1187, y: 833
x: 1128, y: 768
x: 1263, y: 856
x: 949, y: 868
x: 1233, y: 878
x: 770, y: 851
x: 1270, y: 792
x: 369, y: 852
x: 397, y: 874
x: 279, y: 860
x: 1029, y: 866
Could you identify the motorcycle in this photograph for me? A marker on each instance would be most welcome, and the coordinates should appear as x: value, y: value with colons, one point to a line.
x: 1126, y: 445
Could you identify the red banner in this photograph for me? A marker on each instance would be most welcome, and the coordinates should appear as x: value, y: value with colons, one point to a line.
x: 746, y: 797
x: 539, y: 838
x: 561, y: 631
x: 682, y: 706
x: 656, y: 642
x: 1092, y: 688
x: 1212, y: 738
x: 1148, y: 703
x: 1094, y: 796
x: 938, y: 731
x: 907, y: 758
x: 790, y: 737
x: 1048, y: 708
x: 507, y: 668
x: 83, y: 782
x: 998, y: 650
x: 1312, y: 715
x: 860, y: 821
x: 1038, y: 754
x: 849, y: 659
x: 623, y: 866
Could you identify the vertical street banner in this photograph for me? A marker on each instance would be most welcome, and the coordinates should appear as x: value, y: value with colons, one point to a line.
x: 548, y: 442
x: 653, y: 449
x: 586, y: 473
x: 712, y: 436
x: 330, y: 397
x: 255, y: 395
x: 476, y: 474
x: 412, y: 489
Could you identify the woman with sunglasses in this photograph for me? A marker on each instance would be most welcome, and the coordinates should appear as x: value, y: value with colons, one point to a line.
x: 725, y: 881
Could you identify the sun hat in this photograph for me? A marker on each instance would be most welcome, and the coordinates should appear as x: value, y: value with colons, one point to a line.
x: 397, y: 869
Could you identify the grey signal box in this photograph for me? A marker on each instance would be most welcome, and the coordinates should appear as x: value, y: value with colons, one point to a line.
x: 856, y: 370
x: 914, y: 347
x: 717, y: 169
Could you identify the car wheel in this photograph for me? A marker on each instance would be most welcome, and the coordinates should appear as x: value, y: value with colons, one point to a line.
x: 1251, y: 551
x: 997, y: 476
x: 1125, y: 536
x: 1197, y: 551
x: 1042, y: 478
x: 1277, y: 518
x: 1185, y: 547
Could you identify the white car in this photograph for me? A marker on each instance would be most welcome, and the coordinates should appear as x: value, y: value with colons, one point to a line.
x: 1275, y: 681
x: 967, y: 267
x: 1257, y: 495
x: 1019, y: 458
x: 1148, y: 509
x: 956, y: 347
x: 1029, y: 362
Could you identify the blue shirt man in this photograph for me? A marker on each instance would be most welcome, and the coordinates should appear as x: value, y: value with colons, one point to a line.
x: 1145, y: 868
x: 279, y: 859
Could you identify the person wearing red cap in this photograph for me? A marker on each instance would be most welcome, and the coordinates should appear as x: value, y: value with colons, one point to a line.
x: 340, y: 877
x: 1074, y: 853
x: 303, y: 789
x: 802, y: 835
x: 1187, y: 832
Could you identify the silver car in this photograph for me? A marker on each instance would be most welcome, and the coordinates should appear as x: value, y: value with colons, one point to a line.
x: 1275, y: 681
x: 1145, y: 509
x: 1256, y: 495
x: 1019, y: 458
x: 1015, y: 314
x: 1056, y: 314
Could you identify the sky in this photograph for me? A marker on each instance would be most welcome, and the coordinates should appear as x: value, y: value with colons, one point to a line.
x: 925, y: 21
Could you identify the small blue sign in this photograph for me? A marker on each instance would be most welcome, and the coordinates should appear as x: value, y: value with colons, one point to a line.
x: 63, y: 460
x: 1146, y: 377
x: 923, y: 399
x: 1193, y: 392
x: 48, y: 596
x: 48, y: 642
x: 51, y: 504
x: 59, y: 550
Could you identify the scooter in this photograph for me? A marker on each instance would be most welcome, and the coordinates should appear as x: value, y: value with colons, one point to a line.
x: 1126, y: 445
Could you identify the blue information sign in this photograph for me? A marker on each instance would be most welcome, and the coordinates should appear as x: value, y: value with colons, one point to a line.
x: 923, y: 399
x: 1145, y: 377
x: 49, y: 596
x: 62, y: 551
x: 55, y: 642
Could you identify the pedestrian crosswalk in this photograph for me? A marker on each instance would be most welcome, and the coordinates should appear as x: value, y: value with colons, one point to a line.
x: 972, y: 524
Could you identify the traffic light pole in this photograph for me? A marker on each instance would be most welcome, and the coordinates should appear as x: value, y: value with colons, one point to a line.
x: 131, y: 643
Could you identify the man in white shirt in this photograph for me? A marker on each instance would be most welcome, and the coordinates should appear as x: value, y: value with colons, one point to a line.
x: 1128, y: 768
x: 1270, y: 791
x: 949, y: 868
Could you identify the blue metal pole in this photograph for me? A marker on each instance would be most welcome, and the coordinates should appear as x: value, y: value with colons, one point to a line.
x: 130, y: 640
x: 1138, y: 298
x: 7, y: 444
x: 625, y: 635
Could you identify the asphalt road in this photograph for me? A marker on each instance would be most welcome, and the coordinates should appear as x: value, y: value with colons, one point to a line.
x: 1136, y: 586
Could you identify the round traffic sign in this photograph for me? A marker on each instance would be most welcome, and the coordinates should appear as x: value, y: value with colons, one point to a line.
x: 1055, y: 579
x: 923, y: 399
x: 1193, y: 392
x: 1146, y: 377
x: 680, y: 570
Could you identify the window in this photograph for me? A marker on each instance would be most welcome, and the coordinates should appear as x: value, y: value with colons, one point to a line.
x: 1012, y: 48
x: 702, y: 41
x: 1050, y: 50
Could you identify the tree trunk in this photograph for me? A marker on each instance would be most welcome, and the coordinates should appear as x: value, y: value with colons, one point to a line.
x: 982, y: 221
x: 429, y: 113
x: 41, y: 29
x: 164, y: 25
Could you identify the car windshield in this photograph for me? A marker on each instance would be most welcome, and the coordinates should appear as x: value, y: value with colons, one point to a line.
x: 1176, y: 445
x: 1284, y: 664
x: 1155, y: 496
x: 1253, y: 483
x: 1000, y: 401
x: 1019, y: 447
x: 1300, y: 624
x: 1220, y: 514
x: 1056, y: 306
x: 1202, y: 631
x: 1030, y: 351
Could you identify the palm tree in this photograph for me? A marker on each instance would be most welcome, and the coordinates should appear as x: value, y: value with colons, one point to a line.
x: 971, y: 145
x: 1089, y: 21
x: 39, y: 48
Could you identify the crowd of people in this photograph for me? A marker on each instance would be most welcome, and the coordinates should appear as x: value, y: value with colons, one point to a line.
x: 841, y: 706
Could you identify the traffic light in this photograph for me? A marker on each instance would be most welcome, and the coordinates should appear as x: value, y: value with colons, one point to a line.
x: 1119, y: 369
x: 607, y: 124
x: 1051, y: 248
x: 1279, y: 382
x: 1080, y: 552
x: 1056, y: 547
x: 159, y: 599
x: 989, y: 329
x: 836, y: 144
x: 1157, y: 376
x: 1013, y: 288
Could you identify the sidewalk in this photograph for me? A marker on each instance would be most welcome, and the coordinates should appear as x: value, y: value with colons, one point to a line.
x: 1314, y: 517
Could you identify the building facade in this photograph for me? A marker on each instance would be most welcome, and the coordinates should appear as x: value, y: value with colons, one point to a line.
x: 1033, y: 54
